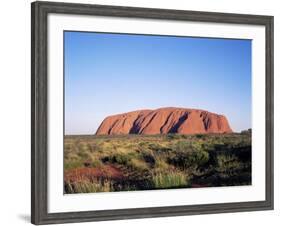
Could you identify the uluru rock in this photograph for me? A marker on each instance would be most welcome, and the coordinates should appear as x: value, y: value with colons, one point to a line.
x: 164, y: 121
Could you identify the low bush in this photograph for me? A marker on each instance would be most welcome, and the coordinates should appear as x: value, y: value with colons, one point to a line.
x: 138, y: 165
x: 182, y: 146
x: 227, y: 164
x: 121, y: 159
x: 95, y: 162
x: 172, y: 136
x: 191, y: 159
x: 149, y: 157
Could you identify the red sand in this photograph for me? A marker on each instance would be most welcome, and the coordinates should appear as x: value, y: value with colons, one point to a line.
x: 88, y: 173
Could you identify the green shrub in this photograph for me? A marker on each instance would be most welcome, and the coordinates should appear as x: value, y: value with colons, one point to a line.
x: 200, y: 136
x: 121, y: 159
x: 227, y: 164
x: 192, y: 159
x: 118, y: 158
x: 149, y: 157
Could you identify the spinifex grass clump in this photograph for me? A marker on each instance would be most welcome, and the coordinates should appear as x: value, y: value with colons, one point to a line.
x: 172, y: 179
x: 145, y: 162
x: 88, y: 186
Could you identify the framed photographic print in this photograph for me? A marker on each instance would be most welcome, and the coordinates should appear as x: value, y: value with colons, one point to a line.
x: 140, y: 112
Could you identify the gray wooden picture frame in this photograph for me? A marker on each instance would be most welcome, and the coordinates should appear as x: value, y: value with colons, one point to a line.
x: 39, y: 107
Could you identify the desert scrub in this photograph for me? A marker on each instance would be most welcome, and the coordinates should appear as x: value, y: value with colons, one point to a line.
x: 95, y: 161
x: 187, y: 160
x: 182, y: 146
x: 149, y: 161
x: 138, y: 165
x: 228, y: 164
x: 170, y: 179
x: 148, y: 157
x: 172, y: 136
x: 156, y: 147
x: 73, y: 164
x: 121, y: 158
x: 161, y: 164
x: 95, y: 147
x: 84, y: 153
x: 88, y: 186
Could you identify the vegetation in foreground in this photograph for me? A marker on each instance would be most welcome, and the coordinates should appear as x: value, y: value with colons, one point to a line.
x: 142, y: 162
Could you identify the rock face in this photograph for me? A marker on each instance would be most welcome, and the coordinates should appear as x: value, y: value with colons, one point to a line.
x: 163, y: 121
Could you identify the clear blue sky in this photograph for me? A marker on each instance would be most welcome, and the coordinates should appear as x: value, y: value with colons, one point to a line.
x: 107, y: 74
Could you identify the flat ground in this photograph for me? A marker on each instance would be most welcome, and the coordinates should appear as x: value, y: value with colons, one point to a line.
x: 142, y: 162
